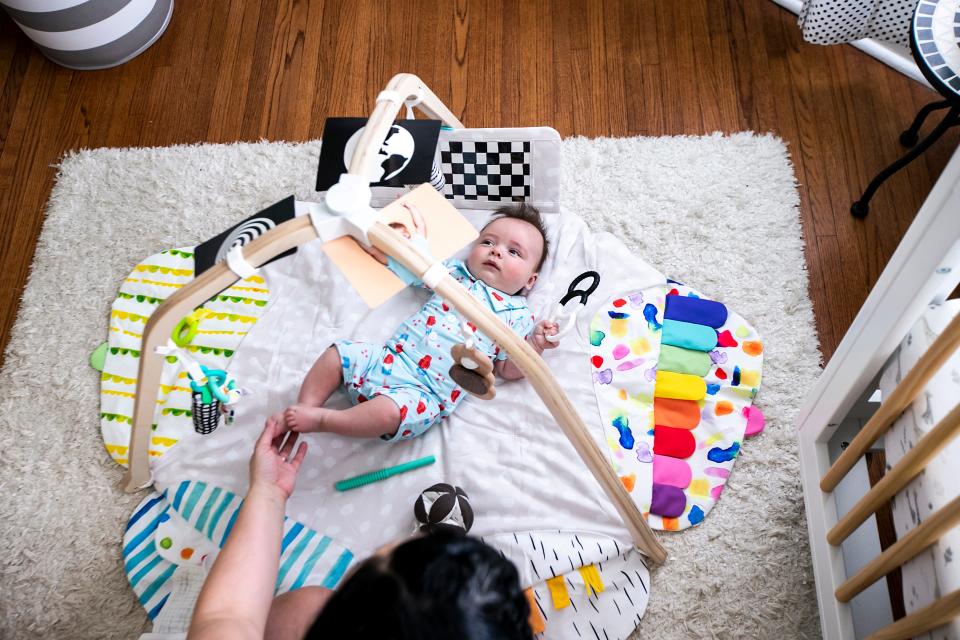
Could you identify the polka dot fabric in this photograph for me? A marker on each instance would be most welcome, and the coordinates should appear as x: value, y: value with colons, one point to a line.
x: 840, y: 21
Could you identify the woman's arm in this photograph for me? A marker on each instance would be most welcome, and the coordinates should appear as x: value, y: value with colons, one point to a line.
x: 238, y: 593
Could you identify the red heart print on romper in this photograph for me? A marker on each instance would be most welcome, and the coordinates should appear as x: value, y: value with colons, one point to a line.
x: 424, y: 362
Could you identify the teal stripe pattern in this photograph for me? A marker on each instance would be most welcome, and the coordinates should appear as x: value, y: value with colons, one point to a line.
x: 294, y: 556
x: 227, y: 498
x: 207, y: 505
x: 333, y: 578
x: 311, y: 561
x: 192, y: 500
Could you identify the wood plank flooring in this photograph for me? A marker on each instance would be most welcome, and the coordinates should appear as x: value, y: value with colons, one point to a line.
x: 275, y: 69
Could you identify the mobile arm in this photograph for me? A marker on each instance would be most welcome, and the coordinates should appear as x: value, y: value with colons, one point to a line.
x: 300, y: 231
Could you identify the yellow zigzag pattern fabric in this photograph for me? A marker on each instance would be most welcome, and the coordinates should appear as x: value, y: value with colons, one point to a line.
x: 231, y: 314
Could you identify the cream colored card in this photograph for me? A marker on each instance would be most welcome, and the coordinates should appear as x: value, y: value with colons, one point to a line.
x: 446, y: 232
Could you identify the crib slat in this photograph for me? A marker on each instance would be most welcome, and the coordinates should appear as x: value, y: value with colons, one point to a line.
x: 908, y: 389
x: 918, y: 539
x: 897, y: 478
x: 936, y: 614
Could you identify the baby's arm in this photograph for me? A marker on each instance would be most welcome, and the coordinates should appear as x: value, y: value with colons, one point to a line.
x: 538, y: 340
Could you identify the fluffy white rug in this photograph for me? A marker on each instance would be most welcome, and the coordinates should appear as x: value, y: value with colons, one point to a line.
x: 719, y: 213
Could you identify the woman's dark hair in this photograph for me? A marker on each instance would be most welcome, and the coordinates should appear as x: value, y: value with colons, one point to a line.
x: 531, y: 215
x: 439, y: 586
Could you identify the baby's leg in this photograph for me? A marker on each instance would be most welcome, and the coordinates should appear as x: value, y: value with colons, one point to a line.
x: 370, y: 419
x: 322, y: 380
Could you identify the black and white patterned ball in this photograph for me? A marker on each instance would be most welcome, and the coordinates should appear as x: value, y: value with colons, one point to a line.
x: 443, y: 507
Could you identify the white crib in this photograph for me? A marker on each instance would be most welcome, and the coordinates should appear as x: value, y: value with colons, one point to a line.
x: 843, y: 419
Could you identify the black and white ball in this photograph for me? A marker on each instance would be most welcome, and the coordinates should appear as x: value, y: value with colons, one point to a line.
x: 443, y: 507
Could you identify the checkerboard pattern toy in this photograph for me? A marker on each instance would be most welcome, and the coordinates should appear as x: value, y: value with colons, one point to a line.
x: 495, y: 171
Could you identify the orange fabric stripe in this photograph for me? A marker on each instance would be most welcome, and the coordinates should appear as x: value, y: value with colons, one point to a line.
x: 679, y: 414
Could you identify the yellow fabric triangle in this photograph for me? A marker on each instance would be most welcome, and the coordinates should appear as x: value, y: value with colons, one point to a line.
x: 591, y: 579
x: 558, y: 592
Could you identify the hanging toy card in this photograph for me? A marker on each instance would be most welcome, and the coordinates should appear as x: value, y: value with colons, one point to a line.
x: 426, y: 219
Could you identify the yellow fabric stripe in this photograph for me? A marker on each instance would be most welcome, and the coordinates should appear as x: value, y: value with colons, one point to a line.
x: 680, y: 386
x: 591, y: 579
x: 166, y: 442
x: 153, y: 268
x: 222, y: 333
x: 248, y: 289
x: 255, y: 279
x: 154, y: 282
x: 558, y: 592
x: 166, y: 388
x: 116, y: 448
x: 127, y: 333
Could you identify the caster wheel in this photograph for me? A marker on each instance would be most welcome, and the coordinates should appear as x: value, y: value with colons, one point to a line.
x: 859, y: 209
x: 909, y: 139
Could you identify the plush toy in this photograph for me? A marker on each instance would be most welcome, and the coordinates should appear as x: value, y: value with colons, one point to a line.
x: 443, y: 507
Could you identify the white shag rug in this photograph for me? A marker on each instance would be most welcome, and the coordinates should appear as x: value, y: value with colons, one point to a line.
x: 717, y: 212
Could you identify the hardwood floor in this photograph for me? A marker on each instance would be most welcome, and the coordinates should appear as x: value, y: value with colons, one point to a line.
x: 275, y: 69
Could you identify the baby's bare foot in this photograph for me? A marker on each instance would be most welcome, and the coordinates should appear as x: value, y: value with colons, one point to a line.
x: 303, y: 418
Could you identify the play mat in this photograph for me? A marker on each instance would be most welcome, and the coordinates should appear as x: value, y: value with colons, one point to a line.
x: 663, y: 376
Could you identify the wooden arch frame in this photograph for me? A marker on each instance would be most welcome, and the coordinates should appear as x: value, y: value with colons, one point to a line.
x: 299, y: 231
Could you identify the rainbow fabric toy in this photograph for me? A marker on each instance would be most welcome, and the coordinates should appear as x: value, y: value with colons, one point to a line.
x: 675, y: 376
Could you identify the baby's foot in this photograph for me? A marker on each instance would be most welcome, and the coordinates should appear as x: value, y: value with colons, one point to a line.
x: 302, y: 417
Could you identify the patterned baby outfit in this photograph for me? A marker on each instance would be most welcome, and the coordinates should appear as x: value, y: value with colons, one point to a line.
x: 412, y: 368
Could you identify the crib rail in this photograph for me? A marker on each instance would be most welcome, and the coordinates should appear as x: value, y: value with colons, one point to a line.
x: 299, y: 231
x: 893, y: 482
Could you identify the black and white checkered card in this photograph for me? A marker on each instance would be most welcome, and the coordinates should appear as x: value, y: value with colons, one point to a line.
x: 486, y: 170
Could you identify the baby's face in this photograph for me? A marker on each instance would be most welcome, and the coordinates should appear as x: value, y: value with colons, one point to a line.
x: 506, y: 255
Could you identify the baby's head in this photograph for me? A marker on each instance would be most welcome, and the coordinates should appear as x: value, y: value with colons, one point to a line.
x: 511, y: 249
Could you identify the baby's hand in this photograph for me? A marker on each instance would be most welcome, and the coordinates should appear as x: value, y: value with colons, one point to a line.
x: 543, y: 329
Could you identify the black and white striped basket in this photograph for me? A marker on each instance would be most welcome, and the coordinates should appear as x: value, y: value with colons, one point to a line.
x: 91, y: 34
x: 206, y: 416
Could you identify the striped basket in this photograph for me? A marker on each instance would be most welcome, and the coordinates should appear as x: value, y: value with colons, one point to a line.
x: 91, y: 34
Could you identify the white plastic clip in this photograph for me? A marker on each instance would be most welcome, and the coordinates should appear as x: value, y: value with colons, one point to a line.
x: 434, y: 274
x: 238, y: 264
x: 350, y: 199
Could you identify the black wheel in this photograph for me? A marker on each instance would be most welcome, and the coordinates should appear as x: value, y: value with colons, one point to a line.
x: 859, y: 209
x: 909, y: 139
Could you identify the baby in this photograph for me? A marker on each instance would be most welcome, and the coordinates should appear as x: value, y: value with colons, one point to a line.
x: 399, y: 390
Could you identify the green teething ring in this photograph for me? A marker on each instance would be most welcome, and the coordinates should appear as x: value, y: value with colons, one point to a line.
x: 185, y: 331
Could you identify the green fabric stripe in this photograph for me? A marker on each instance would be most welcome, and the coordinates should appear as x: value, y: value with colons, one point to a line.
x: 680, y: 360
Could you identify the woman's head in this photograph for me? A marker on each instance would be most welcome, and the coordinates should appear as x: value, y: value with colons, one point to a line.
x: 430, y: 587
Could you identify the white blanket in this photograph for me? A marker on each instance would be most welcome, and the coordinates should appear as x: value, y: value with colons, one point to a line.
x: 520, y: 471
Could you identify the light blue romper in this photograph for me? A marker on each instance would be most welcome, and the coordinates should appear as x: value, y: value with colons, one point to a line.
x: 412, y: 368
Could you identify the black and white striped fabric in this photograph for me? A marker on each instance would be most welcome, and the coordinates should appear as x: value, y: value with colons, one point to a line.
x: 90, y: 34
x: 495, y: 171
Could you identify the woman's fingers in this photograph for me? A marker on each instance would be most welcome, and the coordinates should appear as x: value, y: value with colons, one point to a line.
x: 297, y: 459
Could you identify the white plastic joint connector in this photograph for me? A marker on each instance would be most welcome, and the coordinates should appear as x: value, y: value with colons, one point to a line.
x: 350, y: 199
x: 434, y: 274
x: 238, y: 264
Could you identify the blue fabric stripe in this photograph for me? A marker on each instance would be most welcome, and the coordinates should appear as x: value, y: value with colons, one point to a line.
x: 140, y: 557
x: 205, y: 512
x: 294, y: 556
x: 233, y: 519
x: 192, y: 499
x: 311, y: 561
x: 182, y: 489
x: 338, y: 570
x: 293, y: 533
x: 147, y: 531
x: 215, y: 520
x: 140, y: 513
x: 159, y: 582
x: 153, y: 612
x: 138, y: 576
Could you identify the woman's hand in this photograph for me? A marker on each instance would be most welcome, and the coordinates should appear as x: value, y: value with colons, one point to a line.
x: 273, y: 463
x: 543, y: 329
